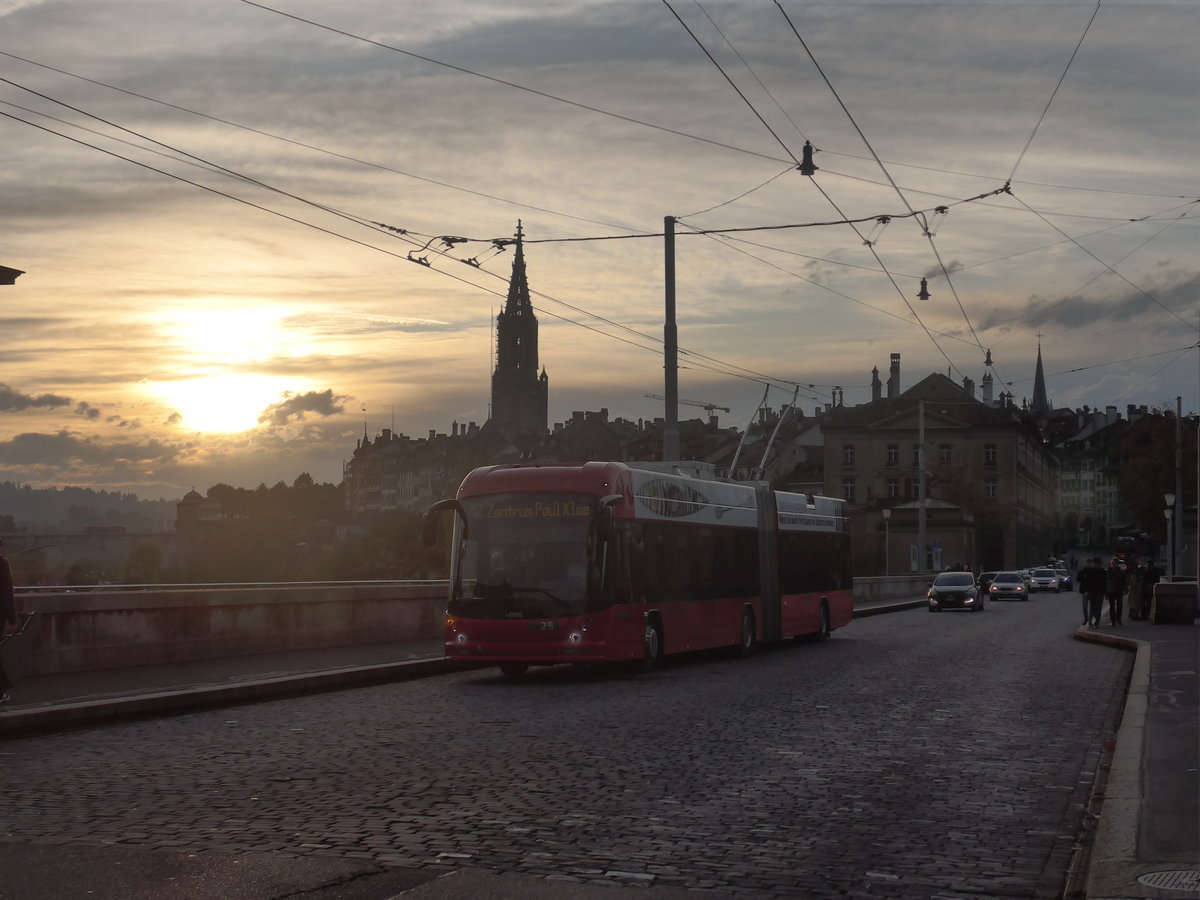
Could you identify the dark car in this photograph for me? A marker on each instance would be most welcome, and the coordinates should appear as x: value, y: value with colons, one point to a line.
x: 985, y: 579
x: 1009, y: 586
x: 954, y: 590
x: 1064, y: 579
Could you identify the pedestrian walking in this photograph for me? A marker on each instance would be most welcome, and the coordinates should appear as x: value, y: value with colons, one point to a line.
x: 1092, y: 584
x: 8, y: 613
x: 1116, y: 584
x: 1137, y: 581
x: 1152, y: 577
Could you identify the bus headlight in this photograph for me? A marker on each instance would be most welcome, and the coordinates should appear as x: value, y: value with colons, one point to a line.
x: 460, y: 638
x: 574, y: 637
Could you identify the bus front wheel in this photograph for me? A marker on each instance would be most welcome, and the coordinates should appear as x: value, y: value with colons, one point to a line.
x: 823, y: 629
x: 652, y: 646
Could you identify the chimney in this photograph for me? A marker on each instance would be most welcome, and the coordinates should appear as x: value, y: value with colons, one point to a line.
x: 876, y: 385
x: 969, y: 387
x: 893, y: 386
x: 1110, y: 414
x: 987, y: 388
x: 432, y: 433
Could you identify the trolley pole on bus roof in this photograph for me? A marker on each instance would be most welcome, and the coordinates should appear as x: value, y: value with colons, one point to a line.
x: 670, y: 347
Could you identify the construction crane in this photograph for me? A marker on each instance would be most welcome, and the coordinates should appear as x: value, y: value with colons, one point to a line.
x: 709, y: 407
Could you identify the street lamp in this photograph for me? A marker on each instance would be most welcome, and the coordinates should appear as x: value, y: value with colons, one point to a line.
x: 1169, y: 512
x: 887, y: 514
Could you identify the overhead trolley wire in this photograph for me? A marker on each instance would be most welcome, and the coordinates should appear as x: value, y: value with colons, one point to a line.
x: 1054, y: 93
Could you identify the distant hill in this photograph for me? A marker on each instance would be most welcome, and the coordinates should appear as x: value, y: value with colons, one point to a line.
x: 72, y: 509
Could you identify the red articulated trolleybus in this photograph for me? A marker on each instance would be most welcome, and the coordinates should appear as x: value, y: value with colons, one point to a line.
x: 607, y: 562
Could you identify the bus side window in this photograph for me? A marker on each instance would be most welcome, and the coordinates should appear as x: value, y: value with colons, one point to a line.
x: 637, y: 562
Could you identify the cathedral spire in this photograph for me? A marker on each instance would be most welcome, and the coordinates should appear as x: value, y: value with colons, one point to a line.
x: 1041, y: 404
x: 518, y: 285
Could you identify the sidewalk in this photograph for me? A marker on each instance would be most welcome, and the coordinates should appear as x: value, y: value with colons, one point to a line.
x: 1147, y: 839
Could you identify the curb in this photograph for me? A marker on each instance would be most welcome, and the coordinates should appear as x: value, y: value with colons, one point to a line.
x: 57, y: 716
x: 867, y: 611
x: 1112, y: 869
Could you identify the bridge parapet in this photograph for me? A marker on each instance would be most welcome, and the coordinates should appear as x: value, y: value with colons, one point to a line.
x: 101, y: 629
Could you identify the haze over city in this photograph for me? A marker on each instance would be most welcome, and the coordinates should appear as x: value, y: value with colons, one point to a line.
x: 232, y: 216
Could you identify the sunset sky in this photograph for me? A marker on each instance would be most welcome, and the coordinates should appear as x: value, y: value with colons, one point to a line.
x: 218, y: 205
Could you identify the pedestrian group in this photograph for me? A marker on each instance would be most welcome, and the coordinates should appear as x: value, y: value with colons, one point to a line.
x: 1116, y: 583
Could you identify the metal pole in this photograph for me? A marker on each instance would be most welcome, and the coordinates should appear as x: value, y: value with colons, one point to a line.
x: 923, y: 565
x: 670, y: 347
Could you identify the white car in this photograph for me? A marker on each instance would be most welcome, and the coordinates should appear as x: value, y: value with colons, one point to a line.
x: 1044, y: 580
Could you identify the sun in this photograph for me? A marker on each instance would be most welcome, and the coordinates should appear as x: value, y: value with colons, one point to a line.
x: 221, y: 404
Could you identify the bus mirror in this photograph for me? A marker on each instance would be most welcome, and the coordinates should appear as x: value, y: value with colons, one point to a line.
x: 430, y: 519
x: 605, y: 516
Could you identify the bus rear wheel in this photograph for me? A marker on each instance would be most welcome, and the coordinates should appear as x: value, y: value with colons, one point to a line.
x: 745, y: 644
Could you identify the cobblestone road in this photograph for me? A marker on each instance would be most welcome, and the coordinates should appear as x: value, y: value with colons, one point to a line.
x: 912, y: 756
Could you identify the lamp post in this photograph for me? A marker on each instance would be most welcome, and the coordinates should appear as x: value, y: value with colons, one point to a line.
x: 1169, y: 512
x: 887, y: 514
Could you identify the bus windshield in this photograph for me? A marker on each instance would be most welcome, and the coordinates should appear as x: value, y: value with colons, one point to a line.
x: 526, y: 556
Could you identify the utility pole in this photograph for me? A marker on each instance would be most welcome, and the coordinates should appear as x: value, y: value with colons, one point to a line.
x: 670, y: 347
x: 1180, y: 504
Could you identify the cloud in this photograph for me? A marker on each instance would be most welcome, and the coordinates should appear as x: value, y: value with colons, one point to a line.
x: 64, y: 448
x: 14, y: 401
x: 297, y: 406
x: 1173, y: 290
x: 87, y: 411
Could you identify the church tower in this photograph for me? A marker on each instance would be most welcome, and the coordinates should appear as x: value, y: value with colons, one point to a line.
x: 519, y: 392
